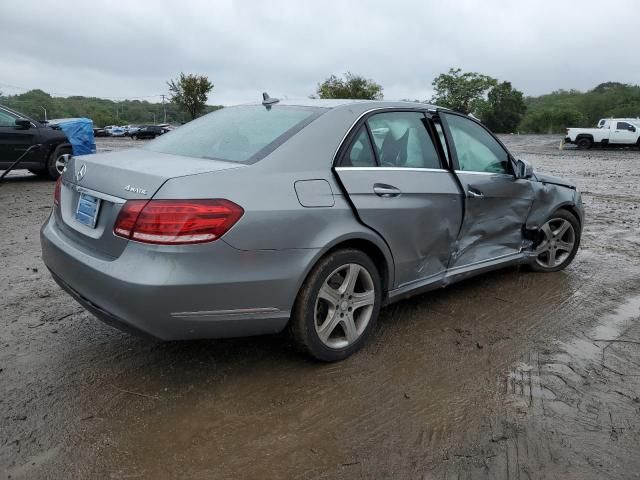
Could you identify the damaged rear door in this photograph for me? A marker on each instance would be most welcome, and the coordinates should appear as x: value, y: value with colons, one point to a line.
x: 395, y: 179
x: 496, y: 203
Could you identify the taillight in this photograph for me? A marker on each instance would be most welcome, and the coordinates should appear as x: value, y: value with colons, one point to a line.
x: 56, y: 192
x: 127, y: 217
x: 170, y: 222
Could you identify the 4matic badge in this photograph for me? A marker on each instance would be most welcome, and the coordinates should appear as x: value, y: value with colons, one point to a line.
x: 141, y: 191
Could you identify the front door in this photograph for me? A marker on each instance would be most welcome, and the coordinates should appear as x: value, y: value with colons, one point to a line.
x: 496, y: 203
x: 399, y: 187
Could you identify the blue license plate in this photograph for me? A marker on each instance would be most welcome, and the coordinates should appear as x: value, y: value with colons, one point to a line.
x: 87, y: 211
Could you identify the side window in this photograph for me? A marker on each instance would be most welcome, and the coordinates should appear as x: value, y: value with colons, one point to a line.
x: 623, y: 126
x: 6, y: 120
x: 477, y: 150
x: 402, y: 140
x: 360, y: 154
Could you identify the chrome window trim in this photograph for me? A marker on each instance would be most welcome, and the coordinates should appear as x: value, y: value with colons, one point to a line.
x: 367, y: 112
x: 392, y: 169
x: 473, y: 172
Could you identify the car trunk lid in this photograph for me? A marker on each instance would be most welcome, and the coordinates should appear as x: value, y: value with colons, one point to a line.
x: 95, y: 187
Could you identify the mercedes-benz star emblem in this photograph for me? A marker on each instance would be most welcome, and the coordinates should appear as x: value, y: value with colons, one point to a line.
x: 80, y: 173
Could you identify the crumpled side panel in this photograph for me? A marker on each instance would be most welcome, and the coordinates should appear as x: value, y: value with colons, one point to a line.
x: 547, y: 199
x: 494, y: 216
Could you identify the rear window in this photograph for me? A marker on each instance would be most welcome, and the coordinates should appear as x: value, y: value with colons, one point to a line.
x: 242, y: 134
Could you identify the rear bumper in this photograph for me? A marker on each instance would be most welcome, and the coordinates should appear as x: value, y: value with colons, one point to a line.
x: 177, y: 293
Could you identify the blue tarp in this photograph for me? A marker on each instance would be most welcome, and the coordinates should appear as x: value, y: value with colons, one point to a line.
x: 79, y: 131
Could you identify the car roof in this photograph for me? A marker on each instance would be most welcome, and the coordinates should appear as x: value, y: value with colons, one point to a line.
x: 350, y: 103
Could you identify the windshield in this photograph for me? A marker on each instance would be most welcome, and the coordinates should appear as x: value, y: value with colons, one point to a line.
x: 17, y: 115
x: 242, y: 134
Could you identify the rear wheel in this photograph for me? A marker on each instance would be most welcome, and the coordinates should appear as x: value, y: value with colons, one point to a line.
x: 337, y: 306
x: 584, y: 143
x: 559, y: 242
x: 57, y: 162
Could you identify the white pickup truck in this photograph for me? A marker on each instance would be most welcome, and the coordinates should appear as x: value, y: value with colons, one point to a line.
x: 610, y: 131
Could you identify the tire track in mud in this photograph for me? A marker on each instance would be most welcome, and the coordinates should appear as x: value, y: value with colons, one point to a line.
x: 575, y: 415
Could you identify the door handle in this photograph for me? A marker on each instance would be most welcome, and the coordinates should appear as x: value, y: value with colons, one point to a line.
x: 474, y: 193
x: 386, y: 191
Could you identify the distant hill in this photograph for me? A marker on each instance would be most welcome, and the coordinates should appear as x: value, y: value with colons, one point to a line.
x: 554, y: 112
x: 550, y: 113
x: 101, y: 111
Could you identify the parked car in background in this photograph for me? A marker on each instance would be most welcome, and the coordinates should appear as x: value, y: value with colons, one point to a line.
x: 148, y: 131
x: 19, y: 132
x: 610, y: 131
x: 117, y: 132
x: 99, y: 132
x: 129, y: 130
x: 168, y: 240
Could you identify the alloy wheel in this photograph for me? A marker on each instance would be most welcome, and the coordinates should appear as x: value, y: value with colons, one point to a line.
x: 61, y: 163
x: 557, y: 244
x: 344, y: 305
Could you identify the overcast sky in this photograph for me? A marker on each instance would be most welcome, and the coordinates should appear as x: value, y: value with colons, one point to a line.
x: 130, y: 48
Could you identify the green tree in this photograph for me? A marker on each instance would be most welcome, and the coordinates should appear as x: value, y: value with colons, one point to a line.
x: 571, y: 108
x: 190, y: 92
x: 351, y: 86
x: 462, y: 92
x: 551, y: 119
x: 504, y: 108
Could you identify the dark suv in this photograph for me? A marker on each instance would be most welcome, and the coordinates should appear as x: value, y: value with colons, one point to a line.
x: 19, y: 132
x: 148, y: 131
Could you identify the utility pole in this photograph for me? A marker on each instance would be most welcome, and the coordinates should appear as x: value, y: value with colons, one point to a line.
x: 45, y: 113
x: 164, y: 110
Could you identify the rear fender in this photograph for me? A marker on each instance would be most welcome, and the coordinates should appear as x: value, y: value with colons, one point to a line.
x: 348, y: 240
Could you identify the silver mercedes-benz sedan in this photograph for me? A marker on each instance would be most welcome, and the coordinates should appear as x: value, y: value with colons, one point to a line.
x: 311, y: 215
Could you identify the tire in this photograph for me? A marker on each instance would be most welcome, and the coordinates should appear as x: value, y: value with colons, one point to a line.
x: 584, y: 143
x: 559, y: 235
x: 329, y: 321
x: 55, y: 164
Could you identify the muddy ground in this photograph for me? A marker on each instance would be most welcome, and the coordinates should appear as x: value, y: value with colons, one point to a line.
x: 511, y: 375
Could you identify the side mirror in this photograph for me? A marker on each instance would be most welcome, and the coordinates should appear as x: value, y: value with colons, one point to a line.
x: 523, y: 169
x: 23, y: 123
x: 632, y: 128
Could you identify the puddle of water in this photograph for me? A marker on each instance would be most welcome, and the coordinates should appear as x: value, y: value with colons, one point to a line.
x: 616, y: 322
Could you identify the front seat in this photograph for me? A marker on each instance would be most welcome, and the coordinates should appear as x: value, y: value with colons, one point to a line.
x: 394, y: 152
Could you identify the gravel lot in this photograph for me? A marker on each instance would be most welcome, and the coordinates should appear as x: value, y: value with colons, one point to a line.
x: 509, y: 375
